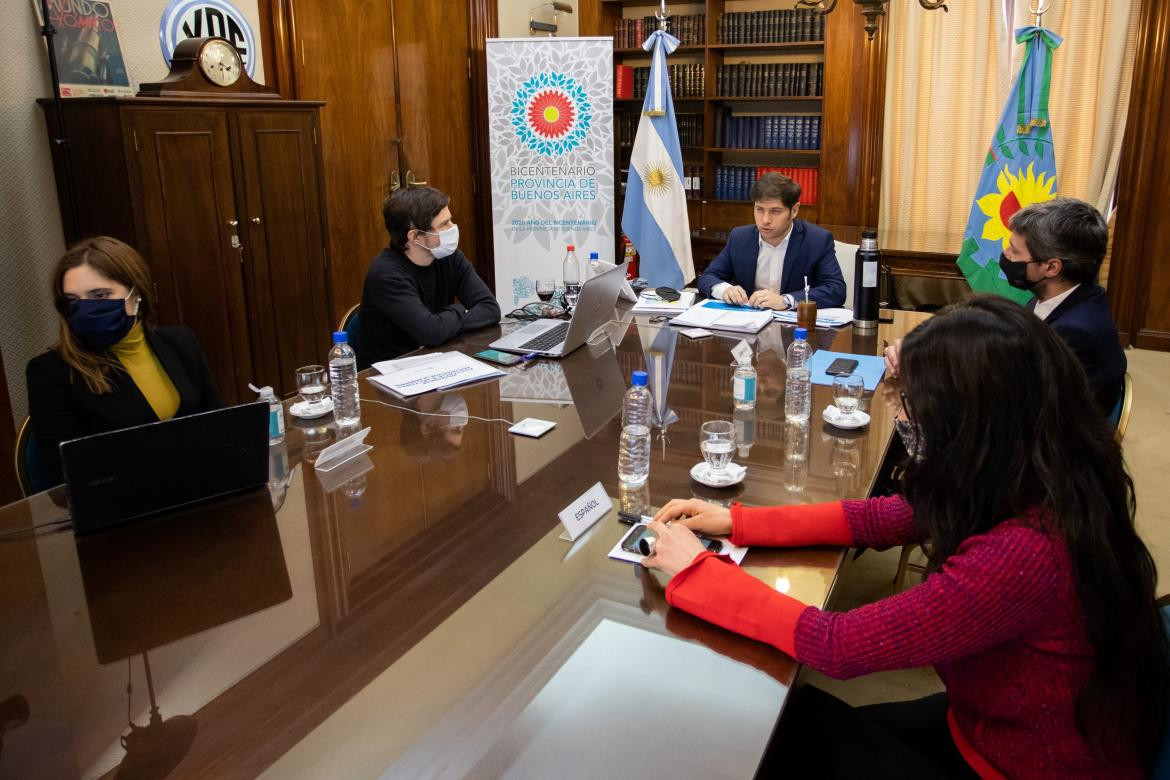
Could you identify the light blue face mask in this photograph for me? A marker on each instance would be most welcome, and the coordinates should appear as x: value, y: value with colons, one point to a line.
x: 448, y: 242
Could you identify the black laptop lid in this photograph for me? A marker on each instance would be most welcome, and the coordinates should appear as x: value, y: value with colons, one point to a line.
x: 134, y: 472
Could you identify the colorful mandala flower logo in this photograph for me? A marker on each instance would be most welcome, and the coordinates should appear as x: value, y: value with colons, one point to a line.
x: 551, y: 113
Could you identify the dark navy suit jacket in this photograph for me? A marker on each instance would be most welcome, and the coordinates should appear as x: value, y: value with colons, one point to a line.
x: 810, y: 253
x: 1085, y: 323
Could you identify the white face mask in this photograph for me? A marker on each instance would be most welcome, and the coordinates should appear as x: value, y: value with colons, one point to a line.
x: 448, y: 241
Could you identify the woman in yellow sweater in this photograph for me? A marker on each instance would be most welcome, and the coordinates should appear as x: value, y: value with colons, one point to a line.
x: 112, y: 366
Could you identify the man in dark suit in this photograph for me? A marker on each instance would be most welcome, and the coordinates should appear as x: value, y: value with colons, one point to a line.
x: 1055, y: 252
x: 765, y: 265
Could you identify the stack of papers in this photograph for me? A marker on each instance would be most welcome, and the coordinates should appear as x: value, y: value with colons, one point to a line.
x: 650, y: 303
x: 423, y: 373
x: 720, y: 316
x: 833, y: 318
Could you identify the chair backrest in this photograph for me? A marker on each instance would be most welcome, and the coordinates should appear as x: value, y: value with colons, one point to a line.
x: 349, y: 321
x: 29, y: 470
x: 847, y: 258
x: 1126, y: 406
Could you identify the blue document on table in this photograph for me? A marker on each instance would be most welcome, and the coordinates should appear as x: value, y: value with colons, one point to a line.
x: 713, y: 304
x: 869, y: 367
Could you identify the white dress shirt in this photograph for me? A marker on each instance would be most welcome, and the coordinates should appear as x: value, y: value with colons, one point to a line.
x: 769, y: 267
x: 1044, y: 308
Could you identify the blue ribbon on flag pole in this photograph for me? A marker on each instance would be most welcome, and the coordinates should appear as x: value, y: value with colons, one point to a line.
x: 661, y: 43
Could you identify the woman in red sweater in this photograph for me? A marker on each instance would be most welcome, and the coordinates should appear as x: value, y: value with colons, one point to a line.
x: 1038, y: 607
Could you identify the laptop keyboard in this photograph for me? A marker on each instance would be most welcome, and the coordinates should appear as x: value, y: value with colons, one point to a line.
x: 547, y: 340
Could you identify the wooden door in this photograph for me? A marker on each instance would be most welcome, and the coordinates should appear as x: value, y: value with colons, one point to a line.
x: 434, y: 89
x: 284, y: 251
x: 181, y: 176
x: 345, y: 56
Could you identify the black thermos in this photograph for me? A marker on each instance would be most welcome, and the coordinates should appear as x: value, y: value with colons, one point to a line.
x: 865, y: 283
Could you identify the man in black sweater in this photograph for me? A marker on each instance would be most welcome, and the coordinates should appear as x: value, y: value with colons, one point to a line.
x: 420, y: 291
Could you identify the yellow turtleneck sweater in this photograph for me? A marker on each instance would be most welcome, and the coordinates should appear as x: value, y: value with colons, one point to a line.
x: 143, y: 367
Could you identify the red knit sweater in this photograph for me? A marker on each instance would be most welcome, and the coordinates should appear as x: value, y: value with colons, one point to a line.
x: 1001, y: 623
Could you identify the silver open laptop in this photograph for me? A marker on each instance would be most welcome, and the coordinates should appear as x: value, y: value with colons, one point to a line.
x: 557, y: 338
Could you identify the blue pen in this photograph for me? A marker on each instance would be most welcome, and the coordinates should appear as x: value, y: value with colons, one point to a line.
x: 525, y: 360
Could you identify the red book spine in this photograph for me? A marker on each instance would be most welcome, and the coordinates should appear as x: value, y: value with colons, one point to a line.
x: 623, y: 79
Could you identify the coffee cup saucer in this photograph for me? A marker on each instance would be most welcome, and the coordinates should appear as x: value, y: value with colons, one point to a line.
x: 307, y: 411
x: 733, y: 475
x: 833, y: 416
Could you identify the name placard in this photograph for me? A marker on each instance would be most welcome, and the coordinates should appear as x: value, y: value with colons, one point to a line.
x: 590, y: 507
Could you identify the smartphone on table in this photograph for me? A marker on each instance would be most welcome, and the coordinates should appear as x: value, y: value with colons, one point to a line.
x: 642, y: 533
x: 496, y: 356
x: 841, y: 367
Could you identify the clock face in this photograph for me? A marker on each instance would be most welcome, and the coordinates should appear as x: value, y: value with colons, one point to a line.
x: 220, y: 63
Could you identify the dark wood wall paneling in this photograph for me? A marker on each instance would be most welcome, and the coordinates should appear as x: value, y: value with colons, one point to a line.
x: 1139, y: 277
x: 404, y: 91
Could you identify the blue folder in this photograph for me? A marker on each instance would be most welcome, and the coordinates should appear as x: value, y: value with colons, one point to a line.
x: 869, y: 367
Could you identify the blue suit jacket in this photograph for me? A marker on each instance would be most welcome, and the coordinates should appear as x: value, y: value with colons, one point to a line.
x: 1085, y: 323
x: 810, y: 253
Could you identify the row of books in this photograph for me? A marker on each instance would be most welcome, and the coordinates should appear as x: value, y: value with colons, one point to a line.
x: 779, y: 131
x: 690, y: 128
x: 734, y: 182
x: 690, y: 29
x: 771, y: 27
x: 770, y: 79
x: 692, y: 181
x: 686, y: 81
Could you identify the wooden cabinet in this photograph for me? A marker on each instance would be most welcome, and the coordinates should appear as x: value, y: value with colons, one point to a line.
x: 223, y: 199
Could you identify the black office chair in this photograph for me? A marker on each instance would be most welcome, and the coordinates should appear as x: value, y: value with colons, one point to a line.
x: 29, y: 471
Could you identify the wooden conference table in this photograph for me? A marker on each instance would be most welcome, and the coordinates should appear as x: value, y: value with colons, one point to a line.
x: 413, y: 614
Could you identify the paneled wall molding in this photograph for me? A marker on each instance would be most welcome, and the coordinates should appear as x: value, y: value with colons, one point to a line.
x: 1139, y: 278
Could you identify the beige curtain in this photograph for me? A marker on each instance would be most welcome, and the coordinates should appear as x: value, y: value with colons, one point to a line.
x: 946, y: 85
x: 1091, y: 75
x: 947, y: 78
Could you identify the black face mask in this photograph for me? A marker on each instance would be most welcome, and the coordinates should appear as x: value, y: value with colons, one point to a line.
x: 99, y: 324
x: 1017, y: 273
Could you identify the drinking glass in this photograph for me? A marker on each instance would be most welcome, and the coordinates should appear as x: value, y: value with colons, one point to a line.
x: 717, y: 441
x: 545, y: 289
x: 311, y: 383
x: 847, y: 392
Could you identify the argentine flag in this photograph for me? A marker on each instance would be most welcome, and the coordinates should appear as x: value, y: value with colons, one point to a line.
x: 655, y: 213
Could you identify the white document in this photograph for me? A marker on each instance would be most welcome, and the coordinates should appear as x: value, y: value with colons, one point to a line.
x: 721, y: 318
x: 412, y: 361
x: 650, y: 303
x: 423, y: 376
x: 730, y: 550
x: 833, y: 318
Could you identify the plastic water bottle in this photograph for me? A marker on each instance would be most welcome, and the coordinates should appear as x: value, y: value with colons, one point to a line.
x: 798, y: 383
x: 743, y: 386
x: 594, y: 265
x: 571, y: 271
x: 634, y: 448
x: 347, y: 407
x: 275, y: 413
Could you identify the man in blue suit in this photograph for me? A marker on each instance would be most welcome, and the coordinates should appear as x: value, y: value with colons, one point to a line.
x: 765, y: 265
x: 1055, y: 252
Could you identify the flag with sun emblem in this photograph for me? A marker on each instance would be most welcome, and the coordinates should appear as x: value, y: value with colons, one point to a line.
x: 655, y: 214
x: 1020, y: 168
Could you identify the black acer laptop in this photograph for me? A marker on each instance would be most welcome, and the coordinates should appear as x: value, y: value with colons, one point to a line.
x: 136, y: 472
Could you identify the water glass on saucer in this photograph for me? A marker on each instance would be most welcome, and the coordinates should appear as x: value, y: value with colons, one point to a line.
x: 847, y: 392
x: 312, y: 383
x: 717, y: 441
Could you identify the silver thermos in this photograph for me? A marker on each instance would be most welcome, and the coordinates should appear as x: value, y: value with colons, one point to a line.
x: 865, y: 283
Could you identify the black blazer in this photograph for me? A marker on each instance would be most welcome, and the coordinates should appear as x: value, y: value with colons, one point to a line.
x: 63, y: 408
x: 1085, y: 323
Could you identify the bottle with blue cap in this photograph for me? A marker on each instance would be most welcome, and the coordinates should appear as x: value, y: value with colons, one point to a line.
x: 343, y: 386
x: 798, y: 382
x: 634, y: 446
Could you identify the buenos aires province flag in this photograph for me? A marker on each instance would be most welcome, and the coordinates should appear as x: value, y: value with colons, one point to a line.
x: 655, y: 212
x: 1020, y: 168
